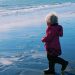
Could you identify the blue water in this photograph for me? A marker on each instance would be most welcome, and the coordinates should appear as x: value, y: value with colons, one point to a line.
x: 29, y: 3
x: 22, y: 25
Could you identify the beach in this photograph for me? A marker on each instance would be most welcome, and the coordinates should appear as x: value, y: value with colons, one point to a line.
x: 21, y: 30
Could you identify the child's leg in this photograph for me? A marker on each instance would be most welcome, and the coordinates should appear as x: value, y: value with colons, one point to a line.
x: 51, y: 62
x: 51, y: 65
x: 61, y: 61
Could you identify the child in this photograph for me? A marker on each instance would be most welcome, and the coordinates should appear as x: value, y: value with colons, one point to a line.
x: 52, y: 44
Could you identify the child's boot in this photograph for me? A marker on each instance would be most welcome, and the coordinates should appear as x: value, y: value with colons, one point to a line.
x: 64, y: 66
x: 49, y: 72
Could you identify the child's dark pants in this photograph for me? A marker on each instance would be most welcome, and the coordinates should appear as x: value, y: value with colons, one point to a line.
x: 53, y: 60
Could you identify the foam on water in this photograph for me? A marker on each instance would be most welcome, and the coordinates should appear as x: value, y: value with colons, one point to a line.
x: 26, y: 63
x: 8, y: 60
x: 11, y: 19
x: 5, y: 61
x: 33, y: 8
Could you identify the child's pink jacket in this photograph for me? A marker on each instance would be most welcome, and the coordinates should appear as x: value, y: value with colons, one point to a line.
x: 51, y: 40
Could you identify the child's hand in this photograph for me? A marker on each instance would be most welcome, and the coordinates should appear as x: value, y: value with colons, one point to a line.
x: 43, y: 39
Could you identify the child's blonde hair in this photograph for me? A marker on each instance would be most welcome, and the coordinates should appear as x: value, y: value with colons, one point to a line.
x: 51, y: 18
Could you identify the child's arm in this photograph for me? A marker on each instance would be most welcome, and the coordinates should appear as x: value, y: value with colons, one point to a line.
x: 47, y: 38
x: 44, y: 39
x: 60, y: 31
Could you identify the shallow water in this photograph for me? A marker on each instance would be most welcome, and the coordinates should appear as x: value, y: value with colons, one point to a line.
x: 20, y: 38
x: 29, y: 3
